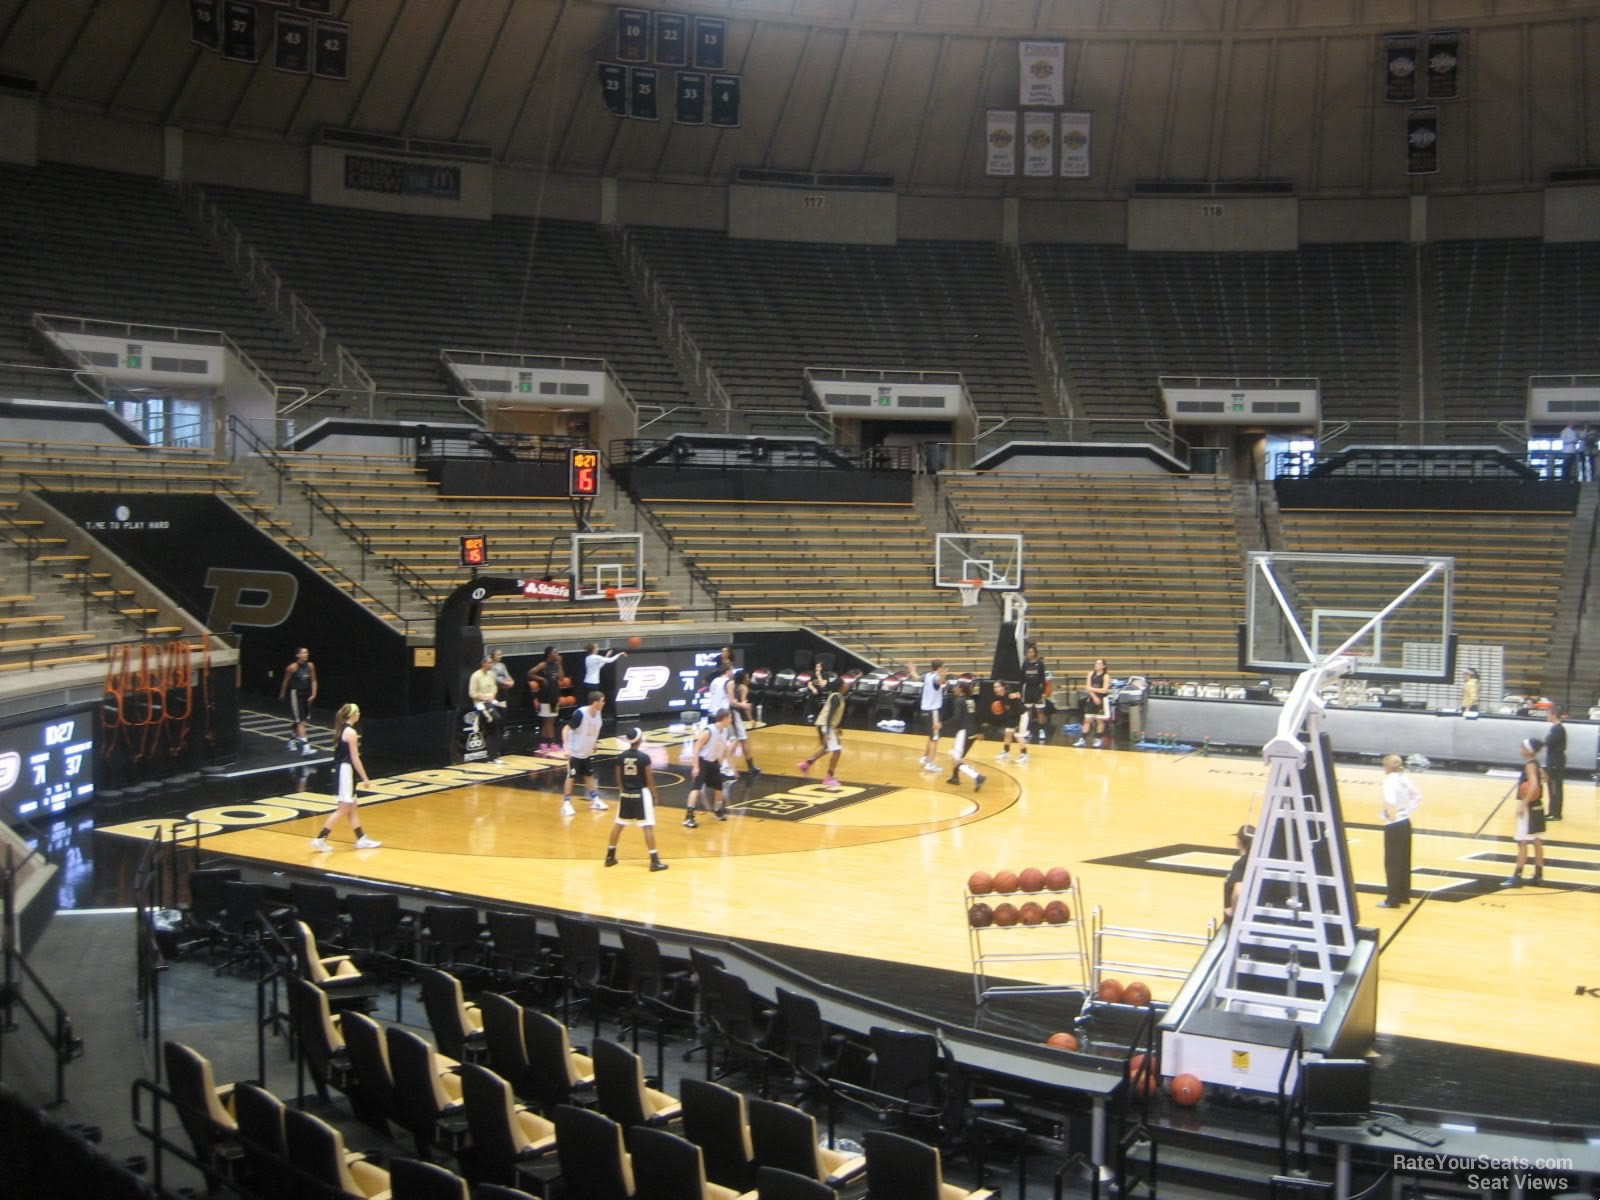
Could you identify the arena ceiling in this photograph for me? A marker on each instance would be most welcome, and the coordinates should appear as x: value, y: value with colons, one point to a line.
x: 1179, y: 89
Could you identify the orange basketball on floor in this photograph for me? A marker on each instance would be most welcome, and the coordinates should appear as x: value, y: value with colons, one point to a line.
x: 1063, y: 1041
x: 1136, y: 993
x: 1057, y: 912
x: 1005, y: 881
x: 980, y: 883
x: 1111, y: 991
x: 635, y: 642
x: 1005, y: 914
x: 1058, y: 879
x: 1142, y: 1075
x: 980, y: 916
x: 1032, y: 913
x: 1187, y: 1090
x: 1031, y: 879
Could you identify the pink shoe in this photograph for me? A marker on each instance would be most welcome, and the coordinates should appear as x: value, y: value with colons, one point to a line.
x: 831, y: 784
x: 805, y: 767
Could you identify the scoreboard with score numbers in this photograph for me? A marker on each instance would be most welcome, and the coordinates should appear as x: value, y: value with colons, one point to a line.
x: 47, y: 765
x: 583, y: 474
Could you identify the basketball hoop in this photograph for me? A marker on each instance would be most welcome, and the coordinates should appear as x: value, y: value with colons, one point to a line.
x: 969, y: 591
x: 627, y: 602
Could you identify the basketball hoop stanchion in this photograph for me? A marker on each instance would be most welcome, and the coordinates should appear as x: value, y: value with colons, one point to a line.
x: 969, y: 591
x: 627, y: 603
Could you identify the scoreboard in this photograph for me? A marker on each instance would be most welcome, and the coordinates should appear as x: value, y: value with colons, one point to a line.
x: 47, y: 765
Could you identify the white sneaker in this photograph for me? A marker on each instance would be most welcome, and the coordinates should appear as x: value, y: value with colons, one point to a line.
x: 367, y: 843
x: 598, y: 805
x: 929, y: 765
x: 567, y: 810
x: 1003, y: 756
x: 1080, y: 742
x: 290, y: 745
x: 1022, y: 759
x: 320, y: 844
x: 306, y: 749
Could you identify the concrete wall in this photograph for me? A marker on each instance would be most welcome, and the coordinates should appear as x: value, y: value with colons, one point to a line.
x: 1383, y: 220
x: 940, y: 218
x: 19, y: 129
x: 812, y: 215
x: 265, y: 166
x: 327, y: 185
x: 1507, y: 215
x: 89, y: 140
x: 1572, y: 214
x: 1215, y: 223
x: 523, y: 193
x: 676, y: 206
x: 1102, y: 222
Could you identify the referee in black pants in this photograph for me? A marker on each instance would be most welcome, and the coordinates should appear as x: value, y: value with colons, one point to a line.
x: 1400, y: 800
x: 1555, y: 761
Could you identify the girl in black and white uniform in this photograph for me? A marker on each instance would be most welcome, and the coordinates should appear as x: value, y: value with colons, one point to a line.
x: 1097, y: 705
x: 966, y: 722
x: 636, y: 789
x: 1530, y: 814
x: 347, y: 768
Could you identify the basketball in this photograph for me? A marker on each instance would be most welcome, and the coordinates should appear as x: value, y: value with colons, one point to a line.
x: 1005, y: 914
x: 1057, y: 912
x: 998, y: 708
x: 1187, y: 1090
x: 980, y: 883
x: 1062, y: 1041
x: 1136, y: 993
x: 980, y: 916
x: 1032, y: 913
x: 1111, y: 991
x: 1005, y: 881
x: 1142, y: 1075
x: 1058, y: 879
x: 635, y: 642
x: 1031, y: 879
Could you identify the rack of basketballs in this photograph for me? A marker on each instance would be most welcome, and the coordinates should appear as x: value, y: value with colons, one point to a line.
x: 1036, y: 916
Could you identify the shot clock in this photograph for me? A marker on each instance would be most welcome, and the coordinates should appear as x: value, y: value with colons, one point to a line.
x: 47, y: 765
x: 583, y: 474
x: 474, y: 550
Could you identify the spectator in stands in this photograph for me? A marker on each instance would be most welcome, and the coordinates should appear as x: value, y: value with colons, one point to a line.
x: 1400, y: 800
x: 1571, y: 450
x: 1469, y: 691
x: 1530, y: 814
x: 1555, y: 759
x: 347, y: 768
x: 483, y: 690
x: 1096, y: 704
x: 300, y: 685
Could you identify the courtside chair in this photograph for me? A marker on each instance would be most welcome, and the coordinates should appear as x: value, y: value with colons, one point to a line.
x: 318, y: 1149
x: 557, y: 1073
x: 266, y: 1154
x: 902, y: 1168
x: 773, y: 1184
x: 594, y: 1164
x: 335, y: 974
x: 786, y: 1137
x: 662, y: 999
x: 204, y: 1109
x: 246, y: 909
x: 507, y: 1139
x: 746, y: 1027
x: 584, y: 969
x: 457, y: 1026
x: 622, y: 1093
x: 412, y: 1179
x: 716, y: 1119
x: 378, y: 925
x: 493, y: 1191
x: 672, y: 1167
x: 319, y: 906
x: 204, y: 911
x: 708, y: 996
x: 427, y: 1095
x: 503, y: 1037
x: 371, y: 1088
x: 518, y: 957
x: 321, y: 1045
x: 451, y: 937
x: 808, y: 1047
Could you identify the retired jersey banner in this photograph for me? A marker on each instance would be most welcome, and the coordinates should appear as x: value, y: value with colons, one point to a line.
x: 614, y: 88
x: 1001, y: 142
x: 672, y: 40
x: 1400, y: 53
x: 710, y: 43
x: 1043, y: 74
x: 725, y: 92
x: 331, y: 59
x: 690, y: 105
x: 291, y: 43
x: 633, y: 35
x: 1038, y: 143
x: 642, y: 93
x: 1422, y: 141
x: 1444, y: 61
x: 1075, y: 145
x: 205, y: 24
x: 239, y: 32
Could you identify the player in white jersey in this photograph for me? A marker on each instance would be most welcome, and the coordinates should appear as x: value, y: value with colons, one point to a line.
x: 578, y: 739
x: 719, y: 691
x: 711, y: 771
x: 932, y: 708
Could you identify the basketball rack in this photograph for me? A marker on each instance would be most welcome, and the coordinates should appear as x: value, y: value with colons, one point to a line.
x: 627, y: 602
x: 970, y: 588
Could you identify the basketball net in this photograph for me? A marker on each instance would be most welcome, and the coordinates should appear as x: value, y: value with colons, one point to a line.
x: 627, y: 603
x: 969, y: 591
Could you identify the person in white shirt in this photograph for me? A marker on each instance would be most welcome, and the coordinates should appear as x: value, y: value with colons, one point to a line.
x: 932, y: 708
x: 711, y: 771
x: 1571, y: 448
x: 1400, y: 800
x: 578, y: 738
x: 596, y: 660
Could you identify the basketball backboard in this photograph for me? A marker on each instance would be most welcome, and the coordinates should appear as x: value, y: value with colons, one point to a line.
x: 606, y: 560
x: 1391, y: 613
x: 994, y: 559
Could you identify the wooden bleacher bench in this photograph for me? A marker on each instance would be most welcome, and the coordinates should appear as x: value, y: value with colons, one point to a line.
x: 52, y: 639
x: 40, y: 664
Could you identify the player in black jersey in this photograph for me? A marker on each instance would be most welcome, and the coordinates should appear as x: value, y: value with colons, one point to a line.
x: 966, y: 723
x: 829, y: 718
x: 347, y: 768
x: 1035, y: 699
x: 1003, y: 719
x: 300, y: 686
x: 636, y: 805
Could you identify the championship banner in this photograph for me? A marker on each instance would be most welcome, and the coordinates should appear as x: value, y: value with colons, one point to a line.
x: 205, y: 24
x: 239, y: 32
x: 320, y: 8
x: 1422, y: 141
x: 1001, y: 140
x: 291, y: 43
x: 332, y: 57
x: 690, y: 108
x: 642, y: 93
x: 1400, y: 53
x: 614, y: 88
x: 1075, y: 145
x: 1444, y: 60
x: 1043, y: 74
x: 1039, y: 143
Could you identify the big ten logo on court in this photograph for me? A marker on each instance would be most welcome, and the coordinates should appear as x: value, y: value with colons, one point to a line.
x: 256, y: 599
x: 639, y: 682
x: 800, y: 800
